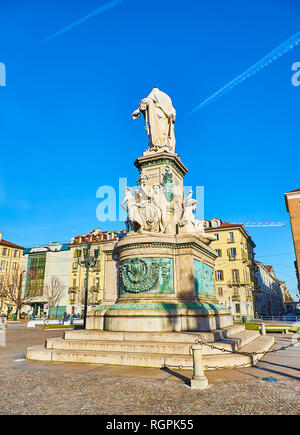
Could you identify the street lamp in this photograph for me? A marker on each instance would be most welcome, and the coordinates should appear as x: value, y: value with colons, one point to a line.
x: 88, y: 263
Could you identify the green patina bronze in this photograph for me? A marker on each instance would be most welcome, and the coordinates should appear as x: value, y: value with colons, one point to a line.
x: 203, y: 279
x: 154, y: 162
x: 167, y: 184
x: 146, y: 275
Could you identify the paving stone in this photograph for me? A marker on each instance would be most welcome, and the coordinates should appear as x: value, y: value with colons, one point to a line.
x: 28, y: 387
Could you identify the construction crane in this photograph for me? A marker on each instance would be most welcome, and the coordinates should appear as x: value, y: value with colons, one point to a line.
x: 263, y: 224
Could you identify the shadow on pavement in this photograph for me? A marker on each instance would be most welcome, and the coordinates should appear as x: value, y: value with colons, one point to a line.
x: 183, y: 378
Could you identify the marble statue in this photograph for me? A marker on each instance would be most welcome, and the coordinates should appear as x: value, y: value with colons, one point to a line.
x: 188, y: 223
x: 159, y: 115
x: 144, y: 210
x: 159, y: 201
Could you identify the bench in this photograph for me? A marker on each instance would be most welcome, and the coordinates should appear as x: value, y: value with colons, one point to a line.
x: 284, y: 329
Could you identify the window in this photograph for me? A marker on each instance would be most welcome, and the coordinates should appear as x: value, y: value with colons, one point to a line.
x: 4, y: 252
x: 96, y: 282
x: 231, y: 237
x: 232, y: 253
x: 16, y: 254
x: 219, y: 275
x: 75, y: 265
x: 219, y: 252
x: 217, y: 236
x: 35, y: 274
x: 235, y: 275
x: 3, y: 267
x: 14, y: 266
x: 220, y: 291
x: 238, y: 308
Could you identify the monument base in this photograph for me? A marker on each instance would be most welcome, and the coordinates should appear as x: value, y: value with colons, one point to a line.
x: 165, y: 284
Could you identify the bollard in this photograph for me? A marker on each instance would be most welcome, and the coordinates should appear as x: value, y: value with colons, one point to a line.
x: 198, y: 381
x: 2, y: 335
x: 263, y: 329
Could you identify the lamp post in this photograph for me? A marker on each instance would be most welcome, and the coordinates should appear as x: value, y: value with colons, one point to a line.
x: 88, y: 263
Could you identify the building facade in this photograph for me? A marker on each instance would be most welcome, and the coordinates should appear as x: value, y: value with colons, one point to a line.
x: 41, y: 264
x: 270, y: 293
x: 98, y: 287
x: 292, y: 202
x: 10, y: 263
x: 234, y: 267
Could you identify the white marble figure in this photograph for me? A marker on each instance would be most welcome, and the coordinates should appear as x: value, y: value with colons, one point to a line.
x: 159, y: 201
x: 188, y: 223
x: 126, y: 204
x: 160, y: 116
x: 143, y: 214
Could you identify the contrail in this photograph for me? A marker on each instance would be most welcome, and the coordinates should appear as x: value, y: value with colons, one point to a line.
x: 283, y: 48
x: 82, y: 20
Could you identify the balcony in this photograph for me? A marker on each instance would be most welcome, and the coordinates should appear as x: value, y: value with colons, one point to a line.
x: 95, y: 288
x: 230, y: 240
x: 245, y: 258
x: 236, y: 297
x: 234, y: 281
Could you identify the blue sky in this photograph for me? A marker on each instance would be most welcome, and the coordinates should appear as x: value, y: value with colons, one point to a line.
x: 66, y: 129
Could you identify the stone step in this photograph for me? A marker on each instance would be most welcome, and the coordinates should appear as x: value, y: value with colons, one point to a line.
x: 150, y: 360
x: 119, y: 346
x: 169, y: 337
x: 169, y: 348
x: 233, y: 343
x: 230, y: 360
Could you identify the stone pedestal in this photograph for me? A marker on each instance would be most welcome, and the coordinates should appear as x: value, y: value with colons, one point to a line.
x: 164, y: 280
x: 165, y: 284
x: 167, y: 170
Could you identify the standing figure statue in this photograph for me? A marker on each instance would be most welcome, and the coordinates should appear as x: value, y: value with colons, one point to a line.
x: 159, y: 201
x: 159, y: 115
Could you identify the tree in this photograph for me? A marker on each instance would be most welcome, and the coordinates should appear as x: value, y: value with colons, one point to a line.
x: 13, y: 289
x: 54, y: 291
x: 2, y: 293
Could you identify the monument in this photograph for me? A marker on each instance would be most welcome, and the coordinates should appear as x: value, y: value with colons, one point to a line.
x: 164, y: 266
x: 162, y: 273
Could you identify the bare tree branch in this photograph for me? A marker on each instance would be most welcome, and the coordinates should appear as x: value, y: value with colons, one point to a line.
x: 12, y: 286
x: 54, y: 292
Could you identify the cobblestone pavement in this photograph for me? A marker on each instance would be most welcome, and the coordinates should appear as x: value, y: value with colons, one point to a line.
x: 29, y: 387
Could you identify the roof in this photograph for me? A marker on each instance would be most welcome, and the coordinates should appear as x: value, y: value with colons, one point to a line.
x: 292, y: 191
x: 9, y: 244
x: 47, y: 248
x: 228, y: 225
x: 96, y: 236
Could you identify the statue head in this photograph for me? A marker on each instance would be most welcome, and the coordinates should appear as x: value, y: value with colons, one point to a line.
x: 191, y: 203
x: 128, y: 191
x: 142, y: 180
x: 156, y: 188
